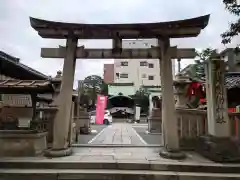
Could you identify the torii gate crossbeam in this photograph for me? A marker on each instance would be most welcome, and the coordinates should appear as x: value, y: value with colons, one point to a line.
x: 151, y: 53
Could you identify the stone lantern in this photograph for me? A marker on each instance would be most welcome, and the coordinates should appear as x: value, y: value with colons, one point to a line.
x: 181, y: 85
x: 59, y: 74
x: 155, y: 117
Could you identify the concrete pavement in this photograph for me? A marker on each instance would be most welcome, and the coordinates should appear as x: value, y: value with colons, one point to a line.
x: 118, y: 133
x: 85, y: 138
x: 149, y: 138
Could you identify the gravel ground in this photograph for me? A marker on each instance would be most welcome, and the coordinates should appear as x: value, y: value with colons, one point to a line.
x: 152, y: 139
x: 85, y: 138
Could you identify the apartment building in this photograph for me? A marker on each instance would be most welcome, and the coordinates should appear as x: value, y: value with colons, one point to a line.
x: 140, y: 72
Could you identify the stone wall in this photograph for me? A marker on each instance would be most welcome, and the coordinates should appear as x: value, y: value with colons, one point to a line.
x: 22, y: 143
x: 24, y: 115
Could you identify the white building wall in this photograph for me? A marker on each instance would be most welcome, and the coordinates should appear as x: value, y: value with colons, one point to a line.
x: 139, y: 75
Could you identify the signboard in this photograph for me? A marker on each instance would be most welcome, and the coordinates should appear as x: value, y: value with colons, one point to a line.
x: 100, y: 109
x: 17, y: 100
x: 137, y: 113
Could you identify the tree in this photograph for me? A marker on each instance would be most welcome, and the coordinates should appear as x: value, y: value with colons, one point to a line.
x: 199, y: 67
x: 104, y: 89
x: 141, y: 98
x: 94, y: 85
x: 233, y: 7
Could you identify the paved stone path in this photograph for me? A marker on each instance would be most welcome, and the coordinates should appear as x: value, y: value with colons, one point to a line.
x: 118, y: 133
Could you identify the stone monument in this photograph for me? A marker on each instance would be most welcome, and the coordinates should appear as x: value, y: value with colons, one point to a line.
x: 217, y: 145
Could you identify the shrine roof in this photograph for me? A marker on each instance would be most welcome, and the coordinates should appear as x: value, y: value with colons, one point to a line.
x: 25, y: 86
x: 12, y: 67
x: 121, y: 84
x: 232, y: 80
x: 173, y: 29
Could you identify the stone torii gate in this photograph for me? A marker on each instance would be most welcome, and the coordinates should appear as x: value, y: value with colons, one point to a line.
x: 163, y: 31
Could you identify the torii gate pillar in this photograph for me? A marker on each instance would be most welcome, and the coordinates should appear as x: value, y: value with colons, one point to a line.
x: 169, y: 119
x: 63, y: 116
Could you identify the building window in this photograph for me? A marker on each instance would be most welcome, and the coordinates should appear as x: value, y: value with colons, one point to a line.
x: 124, y: 63
x: 117, y: 75
x: 123, y: 75
x: 150, y: 65
x: 150, y: 77
x: 144, y: 75
x: 143, y: 63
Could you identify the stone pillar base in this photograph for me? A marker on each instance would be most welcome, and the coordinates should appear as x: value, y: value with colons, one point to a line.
x: 155, y: 121
x: 58, y: 152
x: 222, y: 150
x: 155, y: 125
x: 83, y: 122
x: 172, y: 154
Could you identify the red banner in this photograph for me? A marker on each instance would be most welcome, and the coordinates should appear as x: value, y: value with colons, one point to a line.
x: 100, y: 109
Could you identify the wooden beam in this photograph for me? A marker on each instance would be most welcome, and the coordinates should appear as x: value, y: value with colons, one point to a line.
x: 185, y: 53
x: 150, y: 53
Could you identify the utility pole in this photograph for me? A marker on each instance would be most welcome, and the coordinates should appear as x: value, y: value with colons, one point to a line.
x: 80, y: 88
x: 179, y: 64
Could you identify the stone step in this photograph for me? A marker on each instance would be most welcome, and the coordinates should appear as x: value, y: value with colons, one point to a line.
x: 106, y: 174
x: 116, y: 145
x: 121, y: 165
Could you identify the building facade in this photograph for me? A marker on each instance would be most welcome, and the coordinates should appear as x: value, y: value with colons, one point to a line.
x: 108, y: 74
x: 232, y: 59
x: 140, y: 72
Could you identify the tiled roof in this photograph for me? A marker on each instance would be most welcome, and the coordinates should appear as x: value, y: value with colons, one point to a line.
x: 232, y: 80
x: 8, y: 57
x: 25, y: 86
x: 11, y: 66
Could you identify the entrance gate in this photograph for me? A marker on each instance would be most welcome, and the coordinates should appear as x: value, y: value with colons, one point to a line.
x: 163, y: 31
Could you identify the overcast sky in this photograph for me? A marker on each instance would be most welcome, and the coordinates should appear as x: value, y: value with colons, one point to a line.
x: 19, y: 39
